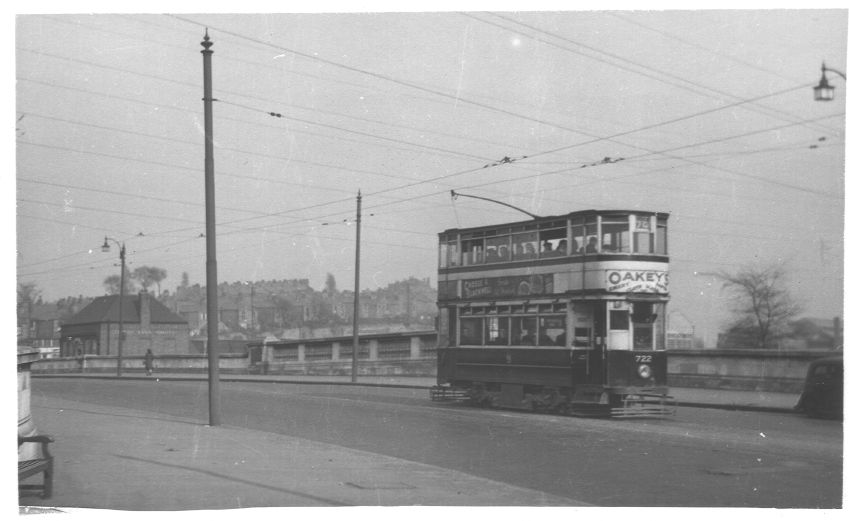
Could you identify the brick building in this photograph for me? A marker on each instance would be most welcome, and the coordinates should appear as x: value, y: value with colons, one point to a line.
x: 147, y: 324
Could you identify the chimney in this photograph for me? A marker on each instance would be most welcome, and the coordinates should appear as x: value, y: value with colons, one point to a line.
x: 144, y: 309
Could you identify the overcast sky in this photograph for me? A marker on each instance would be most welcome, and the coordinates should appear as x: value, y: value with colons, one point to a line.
x: 711, y: 113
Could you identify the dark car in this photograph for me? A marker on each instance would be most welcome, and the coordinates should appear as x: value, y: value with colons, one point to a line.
x: 822, y: 396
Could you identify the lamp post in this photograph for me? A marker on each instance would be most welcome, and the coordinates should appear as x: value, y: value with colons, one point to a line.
x: 123, y: 253
x: 824, y: 91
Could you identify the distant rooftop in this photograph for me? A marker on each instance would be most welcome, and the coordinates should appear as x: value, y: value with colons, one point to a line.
x: 106, y: 309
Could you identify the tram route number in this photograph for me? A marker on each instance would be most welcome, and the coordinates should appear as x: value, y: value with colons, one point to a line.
x: 642, y: 359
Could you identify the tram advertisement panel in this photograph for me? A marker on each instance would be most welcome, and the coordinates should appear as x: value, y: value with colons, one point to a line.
x: 637, y: 281
x: 508, y: 286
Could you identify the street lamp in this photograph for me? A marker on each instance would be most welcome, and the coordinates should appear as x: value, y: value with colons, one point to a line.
x: 824, y: 91
x: 122, y: 251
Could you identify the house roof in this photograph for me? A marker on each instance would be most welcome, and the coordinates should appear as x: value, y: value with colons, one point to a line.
x: 106, y: 309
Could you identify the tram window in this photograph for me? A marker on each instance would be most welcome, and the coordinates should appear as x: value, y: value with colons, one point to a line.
x: 523, y: 331
x: 584, y: 235
x: 496, y: 331
x: 498, y: 249
x: 614, y: 234
x: 591, y: 235
x: 582, y: 337
x: 452, y: 253
x: 660, y: 246
x: 552, y: 331
x: 643, y: 336
x: 577, y: 236
x: 525, y: 245
x: 471, y: 331
x: 643, y: 236
x: 448, y: 253
x: 472, y: 251
x: 553, y: 242
x: 619, y: 320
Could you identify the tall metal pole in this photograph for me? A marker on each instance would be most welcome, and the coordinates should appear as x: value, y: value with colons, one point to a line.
x: 356, y: 341
x: 123, y: 253
x: 211, y: 264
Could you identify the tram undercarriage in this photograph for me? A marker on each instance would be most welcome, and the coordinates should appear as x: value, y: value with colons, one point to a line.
x: 584, y: 401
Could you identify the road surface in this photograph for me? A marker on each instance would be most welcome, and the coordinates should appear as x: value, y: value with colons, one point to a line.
x: 699, y: 458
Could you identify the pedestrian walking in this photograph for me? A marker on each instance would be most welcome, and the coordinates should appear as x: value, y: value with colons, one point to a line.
x: 148, y: 362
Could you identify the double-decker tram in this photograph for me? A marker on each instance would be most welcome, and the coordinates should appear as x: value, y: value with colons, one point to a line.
x: 563, y: 314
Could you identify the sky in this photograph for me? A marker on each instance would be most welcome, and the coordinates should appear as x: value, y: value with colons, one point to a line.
x: 709, y: 114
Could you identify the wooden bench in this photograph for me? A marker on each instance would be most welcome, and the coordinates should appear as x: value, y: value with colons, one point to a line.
x: 44, y: 464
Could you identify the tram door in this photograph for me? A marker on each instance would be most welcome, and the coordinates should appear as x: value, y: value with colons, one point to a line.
x: 589, y: 326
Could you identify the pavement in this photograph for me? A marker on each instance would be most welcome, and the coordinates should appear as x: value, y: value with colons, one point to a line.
x: 120, y: 459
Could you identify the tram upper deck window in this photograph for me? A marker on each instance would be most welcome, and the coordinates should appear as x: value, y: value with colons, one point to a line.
x: 660, y: 246
x: 449, y: 252
x: 498, y: 249
x: 584, y: 235
x: 525, y: 245
x: 614, y: 234
x: 553, y: 239
x: 471, y: 250
x: 649, y: 237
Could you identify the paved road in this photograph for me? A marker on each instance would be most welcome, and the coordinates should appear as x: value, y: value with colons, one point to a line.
x: 703, y: 458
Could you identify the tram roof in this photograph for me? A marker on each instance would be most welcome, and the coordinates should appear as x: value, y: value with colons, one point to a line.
x: 549, y: 218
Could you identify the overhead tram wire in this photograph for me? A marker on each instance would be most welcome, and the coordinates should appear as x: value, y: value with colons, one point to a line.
x: 367, y: 172
x: 671, y: 36
x: 246, y: 152
x: 596, y: 139
x: 465, y: 100
x: 441, y: 177
x: 134, y: 196
x: 559, y: 171
x: 662, y: 76
x: 446, y: 95
x: 126, y: 71
x: 291, y: 118
x: 318, y: 77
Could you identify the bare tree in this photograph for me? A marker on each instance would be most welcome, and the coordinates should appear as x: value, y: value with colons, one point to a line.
x: 763, y: 304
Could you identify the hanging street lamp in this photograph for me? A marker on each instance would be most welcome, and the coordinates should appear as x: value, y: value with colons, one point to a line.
x: 824, y: 91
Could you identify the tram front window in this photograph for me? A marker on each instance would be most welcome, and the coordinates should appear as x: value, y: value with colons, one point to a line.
x: 643, y: 319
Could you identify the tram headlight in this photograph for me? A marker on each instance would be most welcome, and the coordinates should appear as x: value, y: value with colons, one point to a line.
x: 644, y: 371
